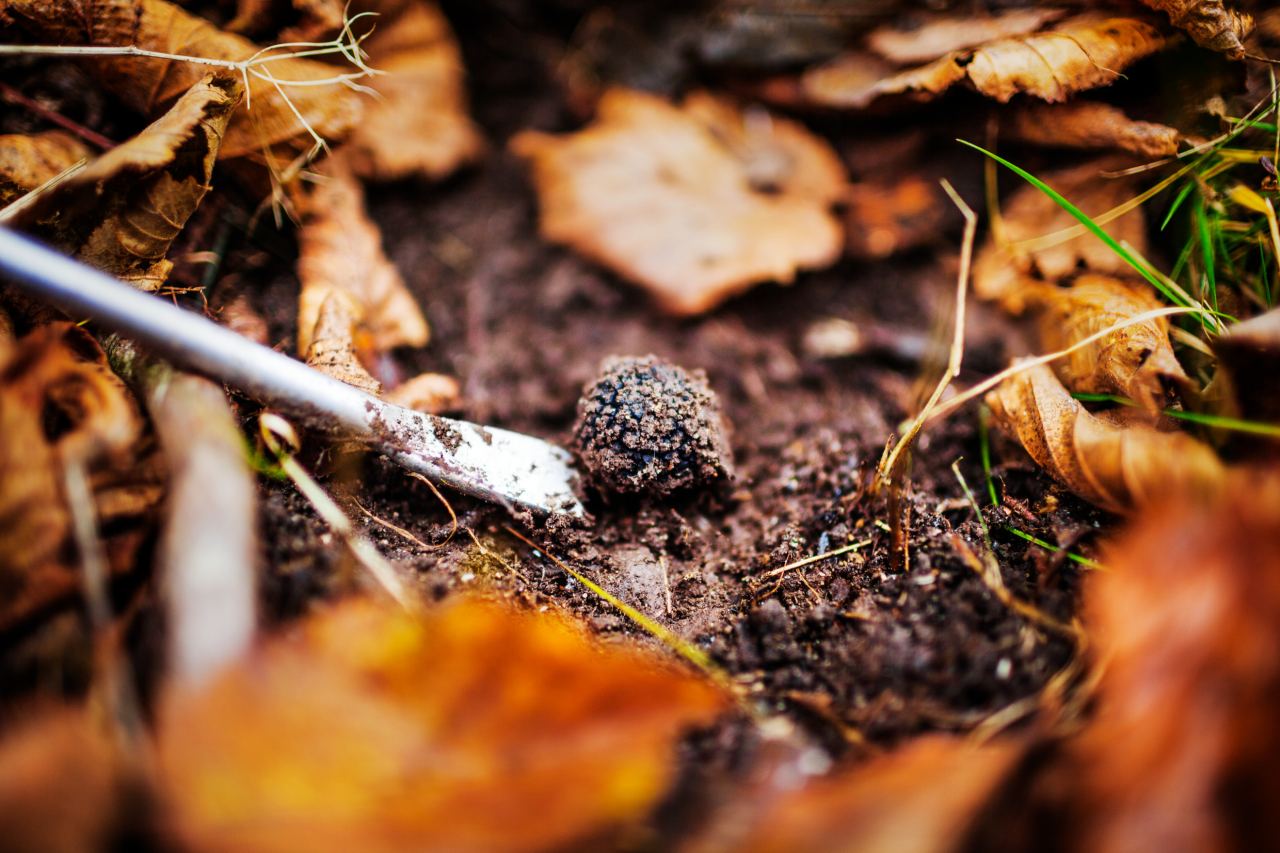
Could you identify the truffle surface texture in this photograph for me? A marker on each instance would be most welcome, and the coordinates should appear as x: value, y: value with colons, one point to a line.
x: 648, y: 427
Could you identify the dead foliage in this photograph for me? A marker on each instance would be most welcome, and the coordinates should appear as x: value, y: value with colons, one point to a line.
x: 925, y: 36
x: 332, y: 349
x: 1081, y: 53
x: 1210, y: 22
x: 889, y: 216
x: 1025, y: 248
x: 470, y: 728
x: 1114, y: 459
x: 1182, y: 750
x: 28, y: 161
x: 59, y: 404
x: 433, y: 393
x: 418, y: 125
x: 1249, y: 357
x: 1090, y: 125
x: 1136, y: 361
x: 151, y: 86
x: 340, y: 255
x: 695, y: 203
x: 123, y: 210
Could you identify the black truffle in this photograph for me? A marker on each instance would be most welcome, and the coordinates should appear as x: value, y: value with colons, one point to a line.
x: 646, y: 426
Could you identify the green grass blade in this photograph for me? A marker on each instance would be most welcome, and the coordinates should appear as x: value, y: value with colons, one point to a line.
x: 1177, y: 203
x: 1049, y: 546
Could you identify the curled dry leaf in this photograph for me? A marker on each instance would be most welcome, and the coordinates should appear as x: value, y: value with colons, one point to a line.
x: 694, y: 203
x: 332, y: 349
x: 1082, y: 53
x: 1188, y: 624
x: 473, y: 727
x: 419, y: 124
x: 433, y: 393
x: 58, y: 401
x: 1004, y: 267
x: 1115, y: 459
x: 1136, y: 361
x: 922, y: 798
x: 1090, y: 124
x: 27, y: 162
x: 340, y: 254
x: 1209, y: 22
x: 123, y: 210
x: 152, y: 85
x: 926, y: 36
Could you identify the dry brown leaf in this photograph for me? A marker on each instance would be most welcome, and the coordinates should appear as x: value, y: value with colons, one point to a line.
x: 1135, y: 362
x: 58, y: 401
x: 121, y: 212
x: 1209, y: 22
x: 921, y: 798
x: 1181, y: 754
x: 473, y: 727
x: 927, y: 36
x: 1002, y: 269
x: 894, y: 216
x: 433, y: 393
x: 1078, y: 54
x: 1249, y: 354
x: 332, y: 349
x: 663, y: 195
x: 152, y: 85
x: 1090, y: 124
x: 1114, y: 460
x: 27, y: 162
x: 419, y: 125
x: 340, y: 254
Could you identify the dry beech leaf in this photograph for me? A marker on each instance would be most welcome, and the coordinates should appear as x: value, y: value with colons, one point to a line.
x: 1002, y: 268
x: 340, y: 254
x: 472, y: 727
x: 927, y: 36
x: 1209, y: 22
x: 1136, y: 362
x: 27, y: 162
x: 152, y: 85
x: 1082, y: 53
x: 58, y: 401
x: 894, y: 216
x: 121, y: 212
x: 1115, y: 459
x: 664, y: 196
x: 332, y: 349
x: 419, y: 125
x: 1090, y: 124
x: 921, y: 798
x: 1187, y: 624
x: 433, y: 393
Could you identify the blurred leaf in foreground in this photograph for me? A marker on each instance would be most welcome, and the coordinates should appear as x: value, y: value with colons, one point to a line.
x: 695, y: 203
x: 473, y: 727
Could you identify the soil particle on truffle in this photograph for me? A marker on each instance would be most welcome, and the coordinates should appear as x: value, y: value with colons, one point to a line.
x: 646, y: 426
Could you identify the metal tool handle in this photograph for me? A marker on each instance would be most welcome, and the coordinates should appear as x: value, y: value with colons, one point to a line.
x: 494, y: 464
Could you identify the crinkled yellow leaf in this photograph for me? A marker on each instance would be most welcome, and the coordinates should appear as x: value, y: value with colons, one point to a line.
x: 1090, y: 124
x: 695, y: 204
x: 926, y: 36
x: 1115, y: 460
x: 473, y: 727
x: 1210, y: 22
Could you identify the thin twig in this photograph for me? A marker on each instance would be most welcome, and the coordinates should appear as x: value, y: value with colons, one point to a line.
x: 13, y: 96
x: 816, y: 558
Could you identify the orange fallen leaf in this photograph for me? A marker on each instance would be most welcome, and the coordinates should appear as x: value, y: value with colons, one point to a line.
x: 1082, y: 53
x: 473, y: 727
x: 419, y: 125
x: 927, y: 36
x: 122, y: 211
x: 332, y: 349
x: 921, y: 798
x: 1090, y: 125
x: 58, y: 401
x: 1249, y: 358
x: 891, y: 216
x: 1187, y: 627
x: 340, y: 254
x: 1114, y: 459
x: 664, y: 196
x: 152, y: 85
x: 26, y: 162
x: 433, y: 393
x: 1209, y: 22
x: 1136, y: 361
x: 1005, y: 264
